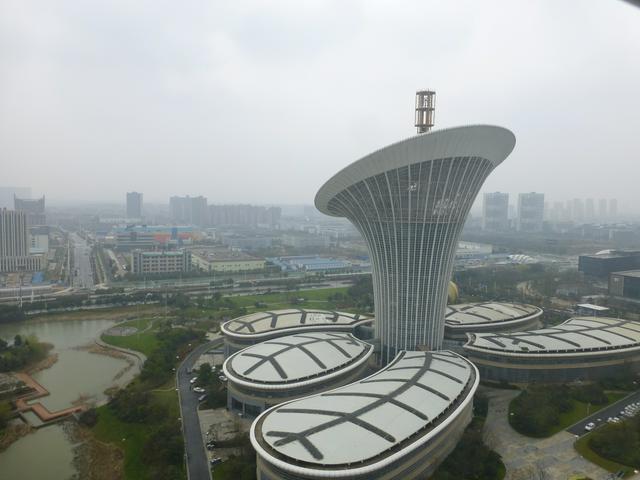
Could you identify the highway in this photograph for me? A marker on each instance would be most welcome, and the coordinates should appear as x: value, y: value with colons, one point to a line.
x: 197, y: 461
x: 600, y: 417
x: 83, y: 273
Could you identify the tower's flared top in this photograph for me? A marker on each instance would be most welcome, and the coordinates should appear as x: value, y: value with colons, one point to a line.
x: 487, y: 141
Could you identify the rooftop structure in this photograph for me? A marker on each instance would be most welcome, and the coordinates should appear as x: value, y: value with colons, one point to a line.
x: 580, y: 348
x: 216, y: 259
x: 576, y: 335
x: 397, y: 423
x: 425, y: 110
x: 409, y: 201
x: 489, y: 317
x: 260, y: 326
x: 289, y: 367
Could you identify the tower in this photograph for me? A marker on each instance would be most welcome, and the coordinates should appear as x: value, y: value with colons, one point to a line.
x: 409, y: 201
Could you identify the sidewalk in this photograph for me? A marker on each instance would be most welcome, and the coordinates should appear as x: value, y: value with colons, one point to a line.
x: 526, y: 458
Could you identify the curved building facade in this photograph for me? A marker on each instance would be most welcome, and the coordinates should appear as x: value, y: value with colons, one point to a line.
x: 257, y: 327
x: 291, y: 367
x: 400, y: 422
x: 410, y: 201
x: 489, y: 317
x: 582, y: 348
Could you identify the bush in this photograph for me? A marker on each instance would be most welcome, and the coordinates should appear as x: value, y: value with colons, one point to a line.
x: 618, y: 442
x: 89, y: 418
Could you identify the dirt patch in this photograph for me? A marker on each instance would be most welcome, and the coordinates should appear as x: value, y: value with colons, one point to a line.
x: 12, y: 433
x: 94, y: 460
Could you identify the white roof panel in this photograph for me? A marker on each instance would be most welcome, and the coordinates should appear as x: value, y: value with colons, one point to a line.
x: 260, y: 323
x: 369, y: 419
x: 294, y: 358
x: 575, y: 335
x: 473, y: 314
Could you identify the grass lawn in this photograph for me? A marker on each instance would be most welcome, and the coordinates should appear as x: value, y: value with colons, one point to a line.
x: 582, y: 447
x: 145, y: 341
x: 131, y: 436
x: 128, y: 436
x: 579, y: 411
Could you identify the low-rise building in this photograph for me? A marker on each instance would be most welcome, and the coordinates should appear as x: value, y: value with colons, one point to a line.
x: 608, y: 261
x: 258, y: 327
x: 486, y: 317
x: 160, y: 262
x: 399, y: 423
x: 275, y: 371
x: 580, y: 349
x: 213, y: 259
x: 625, y: 284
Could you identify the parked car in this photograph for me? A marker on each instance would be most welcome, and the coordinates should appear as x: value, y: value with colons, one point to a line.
x: 202, y: 397
x: 215, y: 461
x: 193, y: 380
x: 589, y: 426
x: 198, y: 389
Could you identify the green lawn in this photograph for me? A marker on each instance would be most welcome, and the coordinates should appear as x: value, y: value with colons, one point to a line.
x: 128, y: 436
x: 145, y: 342
x: 582, y: 447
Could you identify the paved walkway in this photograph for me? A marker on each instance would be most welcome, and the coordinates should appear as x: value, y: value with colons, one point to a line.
x: 40, y: 410
x: 552, y: 458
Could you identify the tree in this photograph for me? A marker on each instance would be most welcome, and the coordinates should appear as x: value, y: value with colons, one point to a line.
x: 17, y: 341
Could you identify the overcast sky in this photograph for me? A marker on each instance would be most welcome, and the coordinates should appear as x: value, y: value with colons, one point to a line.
x: 263, y: 101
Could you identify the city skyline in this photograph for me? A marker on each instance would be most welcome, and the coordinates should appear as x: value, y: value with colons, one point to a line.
x: 193, y: 103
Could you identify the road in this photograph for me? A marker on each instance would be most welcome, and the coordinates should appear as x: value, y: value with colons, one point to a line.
x: 197, y: 461
x: 600, y: 417
x: 83, y: 273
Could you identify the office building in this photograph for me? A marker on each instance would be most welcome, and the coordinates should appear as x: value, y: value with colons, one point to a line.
x: 495, y: 211
x: 410, y: 201
x: 15, y: 244
x: 33, y: 208
x: 491, y: 317
x: 608, y: 261
x: 134, y: 205
x: 580, y: 349
x: 259, y: 327
x: 602, y: 209
x: 625, y: 284
x: 399, y: 423
x: 216, y: 259
x: 530, y: 212
x: 160, y: 262
x: 297, y: 365
x: 189, y: 210
x: 39, y: 240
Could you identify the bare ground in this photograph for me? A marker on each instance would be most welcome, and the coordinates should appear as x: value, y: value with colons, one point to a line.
x: 94, y: 460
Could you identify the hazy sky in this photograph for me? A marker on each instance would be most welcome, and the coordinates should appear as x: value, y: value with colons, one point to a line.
x: 262, y: 101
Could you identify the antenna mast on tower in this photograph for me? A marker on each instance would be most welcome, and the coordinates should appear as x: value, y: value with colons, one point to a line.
x: 425, y: 110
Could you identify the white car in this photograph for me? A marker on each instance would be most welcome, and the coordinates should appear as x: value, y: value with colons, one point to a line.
x: 193, y: 380
x: 198, y: 389
x: 589, y: 426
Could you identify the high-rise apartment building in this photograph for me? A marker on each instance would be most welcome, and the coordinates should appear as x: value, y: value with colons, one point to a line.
x: 134, y: 205
x: 602, y: 209
x: 15, y: 243
x: 244, y: 215
x: 33, y: 209
x: 613, y: 209
x: 495, y: 211
x: 530, y: 212
x: 189, y: 210
x: 410, y: 201
x: 8, y: 194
